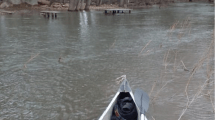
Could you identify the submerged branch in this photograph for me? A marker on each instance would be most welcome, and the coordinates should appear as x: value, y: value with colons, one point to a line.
x: 25, y: 66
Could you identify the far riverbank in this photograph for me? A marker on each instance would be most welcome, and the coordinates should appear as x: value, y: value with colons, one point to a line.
x: 64, y: 7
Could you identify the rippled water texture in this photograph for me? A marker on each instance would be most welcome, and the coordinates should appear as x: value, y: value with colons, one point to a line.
x: 95, y: 50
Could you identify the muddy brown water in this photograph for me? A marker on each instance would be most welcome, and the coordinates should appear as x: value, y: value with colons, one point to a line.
x: 95, y: 50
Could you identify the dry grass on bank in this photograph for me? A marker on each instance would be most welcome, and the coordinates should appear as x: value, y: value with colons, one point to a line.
x: 206, y: 60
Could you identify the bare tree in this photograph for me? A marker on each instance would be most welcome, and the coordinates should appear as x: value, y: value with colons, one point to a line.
x: 72, y: 5
x: 100, y: 2
x: 109, y: 2
x: 97, y: 2
x: 82, y: 3
x: 77, y: 5
x: 87, y: 7
x: 126, y: 3
x: 136, y: 2
x: 121, y: 3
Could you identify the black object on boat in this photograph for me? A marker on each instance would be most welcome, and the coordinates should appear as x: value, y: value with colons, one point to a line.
x: 125, y: 108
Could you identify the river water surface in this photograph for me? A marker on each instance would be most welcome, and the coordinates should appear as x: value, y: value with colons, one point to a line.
x: 96, y: 49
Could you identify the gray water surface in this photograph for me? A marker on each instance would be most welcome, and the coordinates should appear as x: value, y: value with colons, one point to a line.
x: 95, y: 50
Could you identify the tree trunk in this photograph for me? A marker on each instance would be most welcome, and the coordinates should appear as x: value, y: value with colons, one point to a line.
x: 136, y: 2
x: 77, y: 5
x: 108, y: 2
x: 97, y: 2
x: 72, y: 5
x: 51, y: 1
x: 100, y: 2
x: 126, y: 3
x: 82, y: 3
x: 111, y: 1
x: 121, y: 3
x: 87, y: 7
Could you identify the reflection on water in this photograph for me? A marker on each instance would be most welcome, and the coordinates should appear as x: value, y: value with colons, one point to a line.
x: 95, y: 49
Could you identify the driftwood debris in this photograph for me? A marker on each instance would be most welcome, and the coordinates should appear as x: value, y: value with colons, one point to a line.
x: 43, y: 2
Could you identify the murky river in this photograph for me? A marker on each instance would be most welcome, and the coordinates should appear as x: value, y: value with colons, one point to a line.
x: 148, y: 45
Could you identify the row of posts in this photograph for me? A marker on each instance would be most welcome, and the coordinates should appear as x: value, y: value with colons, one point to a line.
x: 115, y: 11
x: 54, y: 15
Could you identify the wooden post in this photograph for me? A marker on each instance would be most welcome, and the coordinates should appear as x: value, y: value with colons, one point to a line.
x: 52, y: 15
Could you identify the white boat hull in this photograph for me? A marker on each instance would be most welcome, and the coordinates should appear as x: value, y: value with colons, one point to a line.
x: 108, y: 112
